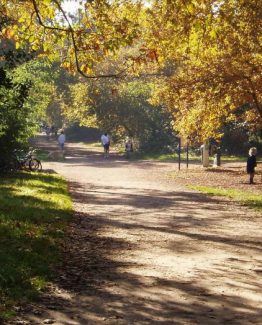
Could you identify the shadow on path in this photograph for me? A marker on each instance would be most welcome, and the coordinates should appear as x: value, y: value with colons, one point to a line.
x: 98, y: 271
x: 149, y: 255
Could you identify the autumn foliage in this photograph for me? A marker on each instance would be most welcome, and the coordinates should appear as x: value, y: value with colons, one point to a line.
x: 203, y: 56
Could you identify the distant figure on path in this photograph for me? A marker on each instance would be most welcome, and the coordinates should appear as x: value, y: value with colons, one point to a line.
x: 61, y: 140
x: 105, y: 140
x: 251, y: 164
x: 48, y: 131
x: 128, y: 148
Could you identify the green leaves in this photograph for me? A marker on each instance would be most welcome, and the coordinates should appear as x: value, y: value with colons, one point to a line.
x: 212, y: 49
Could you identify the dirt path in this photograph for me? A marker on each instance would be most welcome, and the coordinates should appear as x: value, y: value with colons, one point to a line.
x: 144, y: 250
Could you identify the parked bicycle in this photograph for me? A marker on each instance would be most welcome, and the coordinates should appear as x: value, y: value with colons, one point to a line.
x: 26, y: 160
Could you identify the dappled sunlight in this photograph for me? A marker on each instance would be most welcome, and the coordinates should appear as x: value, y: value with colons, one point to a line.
x: 30, y: 230
x: 134, y: 260
x: 144, y: 250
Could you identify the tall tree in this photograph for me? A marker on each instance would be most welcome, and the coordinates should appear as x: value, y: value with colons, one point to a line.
x: 209, y: 51
x: 215, y: 49
x: 16, y: 117
x: 122, y: 109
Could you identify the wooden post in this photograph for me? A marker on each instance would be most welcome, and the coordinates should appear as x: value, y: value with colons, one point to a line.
x: 187, y: 155
x: 179, y: 153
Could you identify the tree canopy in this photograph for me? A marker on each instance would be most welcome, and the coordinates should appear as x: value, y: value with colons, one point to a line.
x: 203, y: 56
x: 215, y: 50
x: 100, y: 29
x: 123, y: 109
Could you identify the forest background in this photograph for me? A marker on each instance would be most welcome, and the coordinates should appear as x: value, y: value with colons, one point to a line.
x: 154, y: 71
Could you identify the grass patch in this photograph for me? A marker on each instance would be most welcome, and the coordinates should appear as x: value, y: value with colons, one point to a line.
x: 244, y: 197
x: 174, y: 157
x: 233, y: 158
x: 34, y: 211
x: 162, y: 156
x: 92, y: 144
x: 42, y: 154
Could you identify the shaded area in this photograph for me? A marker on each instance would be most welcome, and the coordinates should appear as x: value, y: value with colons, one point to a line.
x: 77, y: 155
x: 103, y: 280
x: 29, y: 224
x: 142, y: 252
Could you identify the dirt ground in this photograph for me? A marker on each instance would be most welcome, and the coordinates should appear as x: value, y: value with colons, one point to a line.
x: 230, y: 175
x: 143, y: 249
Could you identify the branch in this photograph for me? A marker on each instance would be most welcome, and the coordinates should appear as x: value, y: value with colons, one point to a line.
x: 43, y: 24
x: 71, y: 31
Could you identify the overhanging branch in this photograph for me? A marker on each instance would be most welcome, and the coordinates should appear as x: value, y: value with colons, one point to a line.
x: 71, y: 31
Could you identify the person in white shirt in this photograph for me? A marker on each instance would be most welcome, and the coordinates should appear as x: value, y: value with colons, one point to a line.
x: 61, y: 140
x: 105, y: 140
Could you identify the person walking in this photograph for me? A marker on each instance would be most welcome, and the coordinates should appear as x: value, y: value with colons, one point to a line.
x: 61, y: 140
x: 105, y: 140
x: 128, y: 148
x: 251, y: 164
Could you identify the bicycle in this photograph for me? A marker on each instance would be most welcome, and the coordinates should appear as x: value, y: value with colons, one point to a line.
x: 27, y: 161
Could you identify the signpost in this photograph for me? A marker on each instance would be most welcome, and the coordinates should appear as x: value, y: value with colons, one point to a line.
x: 182, y: 142
x: 179, y: 153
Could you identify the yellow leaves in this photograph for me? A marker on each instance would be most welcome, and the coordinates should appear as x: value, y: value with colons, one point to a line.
x: 67, y: 65
x: 254, y: 120
x: 213, y: 33
x: 17, y: 45
x: 31, y: 38
x: 86, y: 69
x: 104, y: 28
x: 190, y: 8
x: 80, y: 106
x: 9, y: 32
x: 218, y: 54
x: 22, y: 19
x: 46, y: 2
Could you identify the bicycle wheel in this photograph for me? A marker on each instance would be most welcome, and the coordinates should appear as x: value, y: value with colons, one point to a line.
x: 26, y: 164
x: 35, y: 165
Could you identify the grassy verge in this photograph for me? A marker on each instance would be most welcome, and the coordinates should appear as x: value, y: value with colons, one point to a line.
x: 161, y: 156
x: 244, y: 197
x: 92, y: 144
x: 34, y: 211
x: 233, y: 158
x: 174, y: 157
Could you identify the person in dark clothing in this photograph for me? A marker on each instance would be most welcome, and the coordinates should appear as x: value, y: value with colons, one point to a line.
x: 251, y: 164
x: 128, y: 148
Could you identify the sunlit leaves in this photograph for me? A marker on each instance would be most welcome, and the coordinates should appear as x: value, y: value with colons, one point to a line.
x: 100, y: 29
x: 209, y: 51
x: 216, y: 46
x: 78, y: 106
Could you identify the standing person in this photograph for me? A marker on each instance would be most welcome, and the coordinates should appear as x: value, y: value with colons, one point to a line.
x: 251, y: 164
x: 128, y: 148
x: 48, y: 131
x: 105, y: 140
x: 61, y: 140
